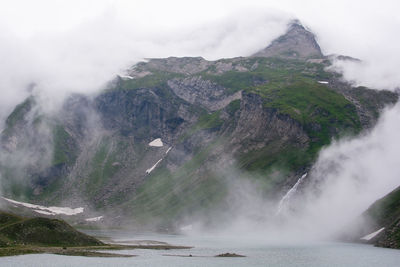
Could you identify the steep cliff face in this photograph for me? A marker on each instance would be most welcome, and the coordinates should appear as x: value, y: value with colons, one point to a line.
x: 272, y: 111
x: 201, y: 92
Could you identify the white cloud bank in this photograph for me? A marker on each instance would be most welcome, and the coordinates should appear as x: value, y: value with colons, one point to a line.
x: 83, y: 58
x: 77, y: 46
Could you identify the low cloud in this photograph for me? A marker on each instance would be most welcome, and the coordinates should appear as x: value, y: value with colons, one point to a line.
x: 351, y: 174
x: 83, y: 59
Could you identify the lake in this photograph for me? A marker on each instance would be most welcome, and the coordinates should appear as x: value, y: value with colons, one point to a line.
x: 257, y: 252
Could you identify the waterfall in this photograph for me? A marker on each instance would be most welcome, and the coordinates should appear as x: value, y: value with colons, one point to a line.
x: 284, y: 202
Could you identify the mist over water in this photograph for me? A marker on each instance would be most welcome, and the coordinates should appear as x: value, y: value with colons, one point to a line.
x: 351, y: 174
x: 347, y: 178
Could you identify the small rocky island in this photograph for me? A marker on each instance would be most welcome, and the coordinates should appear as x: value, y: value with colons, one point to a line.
x: 230, y: 255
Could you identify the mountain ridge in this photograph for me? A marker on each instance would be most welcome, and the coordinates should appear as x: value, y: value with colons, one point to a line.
x: 257, y: 114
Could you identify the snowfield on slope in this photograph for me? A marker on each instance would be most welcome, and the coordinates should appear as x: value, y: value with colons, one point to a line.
x: 156, y: 142
x: 154, y: 166
x: 94, y: 219
x: 372, y: 235
x: 47, y: 210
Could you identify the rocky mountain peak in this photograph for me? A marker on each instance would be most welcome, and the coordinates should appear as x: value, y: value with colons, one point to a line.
x: 297, y: 42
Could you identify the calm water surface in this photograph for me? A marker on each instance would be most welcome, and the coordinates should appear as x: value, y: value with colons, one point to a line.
x: 258, y: 254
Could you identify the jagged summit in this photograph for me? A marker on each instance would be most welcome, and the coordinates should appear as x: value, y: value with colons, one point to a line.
x: 297, y: 42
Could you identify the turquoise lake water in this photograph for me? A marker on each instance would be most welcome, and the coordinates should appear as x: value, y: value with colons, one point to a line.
x: 257, y: 252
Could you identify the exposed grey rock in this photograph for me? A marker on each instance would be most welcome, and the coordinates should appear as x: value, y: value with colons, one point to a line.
x: 260, y: 126
x: 359, y: 96
x: 198, y: 91
x: 333, y: 57
x: 185, y: 65
x: 296, y: 43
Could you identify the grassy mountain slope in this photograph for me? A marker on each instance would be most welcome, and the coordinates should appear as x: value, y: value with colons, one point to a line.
x: 15, y: 231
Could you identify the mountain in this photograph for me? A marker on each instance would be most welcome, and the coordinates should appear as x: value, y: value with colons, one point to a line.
x: 163, y: 144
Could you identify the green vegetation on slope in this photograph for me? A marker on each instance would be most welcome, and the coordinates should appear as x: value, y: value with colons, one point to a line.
x: 64, y: 148
x: 277, y: 156
x: 264, y: 71
x: 167, y: 195
x: 8, y: 218
x: 233, y: 107
x: 291, y: 88
x: 323, y: 112
x: 20, y: 236
x: 39, y: 231
x: 102, y: 167
x: 206, y: 121
x: 155, y: 79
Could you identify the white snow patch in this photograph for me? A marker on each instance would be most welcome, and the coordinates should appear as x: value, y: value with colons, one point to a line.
x: 44, y: 212
x: 323, y: 82
x: 65, y: 210
x: 372, y: 235
x: 53, y: 210
x: 168, y: 150
x: 32, y: 206
x: 154, y: 166
x: 94, y: 219
x: 126, y: 77
x: 156, y: 142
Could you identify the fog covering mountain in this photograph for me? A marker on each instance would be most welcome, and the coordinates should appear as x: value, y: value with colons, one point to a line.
x: 178, y: 141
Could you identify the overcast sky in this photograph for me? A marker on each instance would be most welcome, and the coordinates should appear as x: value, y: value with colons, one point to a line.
x: 76, y: 46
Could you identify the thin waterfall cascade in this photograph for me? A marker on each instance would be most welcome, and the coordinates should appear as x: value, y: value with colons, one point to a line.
x: 284, y: 202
